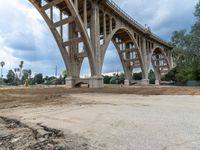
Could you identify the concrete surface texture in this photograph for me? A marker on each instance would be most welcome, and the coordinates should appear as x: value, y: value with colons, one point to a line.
x: 119, y: 121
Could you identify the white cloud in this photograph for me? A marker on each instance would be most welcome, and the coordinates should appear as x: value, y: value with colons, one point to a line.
x: 25, y: 36
x: 163, y: 16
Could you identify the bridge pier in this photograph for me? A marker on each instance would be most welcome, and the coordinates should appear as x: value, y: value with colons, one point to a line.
x: 127, y: 82
x: 93, y: 82
x: 157, y: 82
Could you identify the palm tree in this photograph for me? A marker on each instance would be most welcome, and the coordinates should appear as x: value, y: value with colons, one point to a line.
x: 20, y: 67
x: 15, y: 70
x: 2, y: 65
x: 29, y: 73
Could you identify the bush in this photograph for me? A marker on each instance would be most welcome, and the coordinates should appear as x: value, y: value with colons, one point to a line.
x: 137, y: 76
x: 117, y: 80
x: 106, y: 79
x: 184, y: 72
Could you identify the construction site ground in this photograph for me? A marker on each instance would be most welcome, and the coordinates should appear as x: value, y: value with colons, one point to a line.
x: 111, y: 118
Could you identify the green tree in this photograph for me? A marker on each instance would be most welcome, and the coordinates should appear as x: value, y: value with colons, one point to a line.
x: 186, y: 52
x: 151, y: 77
x: 64, y: 74
x: 38, y: 79
x: 197, y: 11
x: 20, y: 67
x: 106, y: 79
x: 117, y: 79
x: 195, y: 69
x: 137, y: 76
x: 180, y: 41
x: 26, y: 75
x: 187, y: 44
x: 2, y: 63
x: 114, y: 80
x: 60, y: 80
x: 11, y: 77
x: 183, y: 73
x: 171, y: 75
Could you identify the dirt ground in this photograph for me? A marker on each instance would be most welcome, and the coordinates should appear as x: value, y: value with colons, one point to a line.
x: 111, y: 118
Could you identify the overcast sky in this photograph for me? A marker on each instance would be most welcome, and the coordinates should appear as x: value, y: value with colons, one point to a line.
x: 25, y: 36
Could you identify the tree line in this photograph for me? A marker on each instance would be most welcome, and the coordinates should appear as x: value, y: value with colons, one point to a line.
x: 186, y: 52
x: 119, y: 78
x: 21, y: 76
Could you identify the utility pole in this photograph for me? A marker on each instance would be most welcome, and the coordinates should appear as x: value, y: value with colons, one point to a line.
x: 2, y: 65
x: 56, y: 73
x: 1, y: 75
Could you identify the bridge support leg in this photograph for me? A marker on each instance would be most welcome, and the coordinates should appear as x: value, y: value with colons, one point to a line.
x: 157, y: 76
x: 157, y: 82
x: 145, y: 82
x: 93, y: 82
x: 70, y: 82
x: 127, y: 82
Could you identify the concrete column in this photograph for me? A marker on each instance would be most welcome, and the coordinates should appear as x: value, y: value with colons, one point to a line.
x: 110, y: 24
x: 145, y: 80
x: 128, y: 68
x: 104, y: 27
x: 76, y: 4
x: 157, y: 76
x: 127, y: 82
x: 157, y: 82
x: 61, y: 27
x: 96, y: 82
x: 70, y: 82
x: 95, y: 37
x: 73, y: 49
x: 85, y: 12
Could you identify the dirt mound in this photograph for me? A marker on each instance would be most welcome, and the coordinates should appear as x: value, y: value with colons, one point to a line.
x: 15, y: 135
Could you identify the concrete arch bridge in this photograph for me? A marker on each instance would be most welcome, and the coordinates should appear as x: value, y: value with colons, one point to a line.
x: 84, y: 29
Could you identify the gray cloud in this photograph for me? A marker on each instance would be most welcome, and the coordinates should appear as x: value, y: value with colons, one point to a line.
x: 26, y: 37
x: 163, y: 16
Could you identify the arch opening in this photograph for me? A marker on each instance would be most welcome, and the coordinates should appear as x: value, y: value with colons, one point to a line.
x: 85, y: 71
x: 101, y: 26
x: 128, y: 51
x: 33, y: 46
x: 112, y: 57
x: 160, y: 64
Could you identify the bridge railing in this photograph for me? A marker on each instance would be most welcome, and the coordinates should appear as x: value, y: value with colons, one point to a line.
x: 113, y: 4
x: 133, y: 21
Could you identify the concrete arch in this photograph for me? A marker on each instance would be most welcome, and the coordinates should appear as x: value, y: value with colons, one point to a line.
x: 131, y: 36
x: 84, y: 35
x: 157, y: 70
x: 56, y: 35
x: 162, y: 51
x: 88, y: 25
x: 58, y: 38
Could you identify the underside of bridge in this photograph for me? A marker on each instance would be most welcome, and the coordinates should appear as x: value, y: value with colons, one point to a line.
x: 84, y: 28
